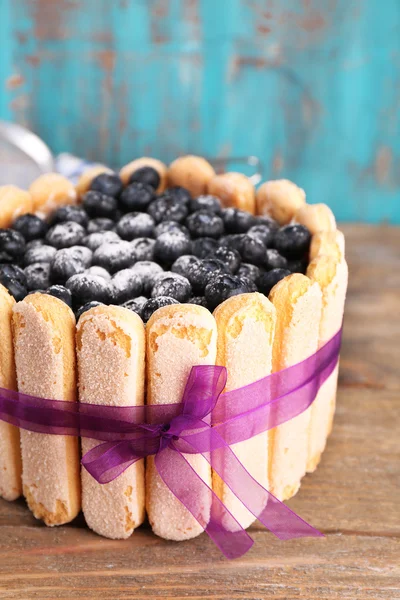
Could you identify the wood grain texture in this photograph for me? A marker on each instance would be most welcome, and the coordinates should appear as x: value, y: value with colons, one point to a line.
x: 309, y: 86
x: 352, y: 497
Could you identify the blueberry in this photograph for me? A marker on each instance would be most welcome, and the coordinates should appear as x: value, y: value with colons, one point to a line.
x: 231, y: 258
x: 136, y: 304
x: 65, y: 235
x: 168, y: 226
x: 146, y: 175
x: 269, y: 221
x: 98, y: 205
x: 100, y: 224
x: 199, y: 300
x: 252, y: 250
x: 233, y: 241
x: 205, y: 224
x: 39, y: 254
x: 86, y: 288
x: 248, y: 271
x: 135, y: 225
x: 143, y: 248
x: 169, y: 246
x: 99, y: 271
x: 34, y: 244
x: 94, y: 240
x: 203, y: 271
x: 297, y: 265
x: 136, y: 196
x: 204, y: 247
x: 223, y: 287
x: 183, y: 263
x: 14, y: 286
x: 154, y: 304
x: 168, y: 208
x: 262, y: 233
x: 12, y: 246
x: 266, y: 281
x: 31, y: 227
x: 70, y: 213
x: 292, y: 241
x: 86, y: 307
x: 60, y: 292
x: 148, y: 272
x: 177, y: 287
x: 125, y: 285
x: 274, y: 260
x: 37, y: 276
x: 114, y: 256
x: 205, y: 202
x: 68, y: 262
x: 250, y: 284
x: 13, y: 272
x: 109, y: 184
x: 237, y: 221
x: 179, y: 193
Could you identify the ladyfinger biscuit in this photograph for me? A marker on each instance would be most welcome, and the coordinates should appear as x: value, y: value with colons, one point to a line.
x: 316, y: 217
x: 10, y: 452
x: 44, y: 345
x: 298, y: 303
x: 331, y: 274
x: 246, y: 326
x: 330, y: 243
x: 154, y: 163
x: 49, y: 191
x: 87, y: 177
x: 233, y: 189
x: 14, y: 202
x: 177, y: 337
x: 110, y: 351
x: 192, y: 173
x: 279, y: 199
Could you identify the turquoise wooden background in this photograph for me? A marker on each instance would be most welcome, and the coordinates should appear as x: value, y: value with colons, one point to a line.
x: 310, y: 86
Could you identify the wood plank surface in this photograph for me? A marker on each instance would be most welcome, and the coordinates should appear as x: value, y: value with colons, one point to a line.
x: 353, y: 497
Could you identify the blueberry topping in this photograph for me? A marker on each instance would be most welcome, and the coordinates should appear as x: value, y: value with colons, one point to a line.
x: 99, y: 271
x: 263, y: 233
x: 125, y: 285
x: 86, y: 307
x: 114, y: 256
x: 204, y: 247
x: 297, y: 265
x: 183, y: 263
x: 179, y: 193
x: 136, y: 304
x: 203, y: 271
x: 39, y: 254
x: 223, y: 287
x: 65, y: 235
x: 250, y: 284
x: 231, y: 258
x: 169, y: 246
x: 292, y: 241
x: 14, y: 286
x: 109, y: 184
x: 68, y: 262
x: 135, y: 225
x: 233, y: 241
x: 266, y: 281
x: 168, y: 208
x: 206, y: 202
x: 137, y: 196
x: 175, y: 286
x: 12, y: 246
x: 31, y: 227
x: 248, y: 271
x: 60, y: 292
x: 37, y: 276
x: 148, y: 272
x: 98, y: 205
x: 70, y: 213
x: 94, y: 240
x: 14, y: 272
x: 205, y: 224
x: 154, y: 304
x: 237, y: 221
x: 33, y: 244
x: 100, y: 224
x: 168, y: 226
x: 87, y: 288
x: 146, y: 175
x: 274, y: 260
x: 199, y: 300
x: 252, y: 250
x: 143, y: 248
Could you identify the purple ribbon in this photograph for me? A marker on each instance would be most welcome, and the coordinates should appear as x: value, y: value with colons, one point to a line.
x: 206, y: 422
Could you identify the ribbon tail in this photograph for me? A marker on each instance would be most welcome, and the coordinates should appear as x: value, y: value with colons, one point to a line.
x: 204, y: 505
x: 105, y: 462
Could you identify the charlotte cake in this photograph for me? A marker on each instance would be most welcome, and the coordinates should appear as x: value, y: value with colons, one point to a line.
x: 188, y: 260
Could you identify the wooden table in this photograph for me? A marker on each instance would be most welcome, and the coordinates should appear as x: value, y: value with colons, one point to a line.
x: 353, y: 497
